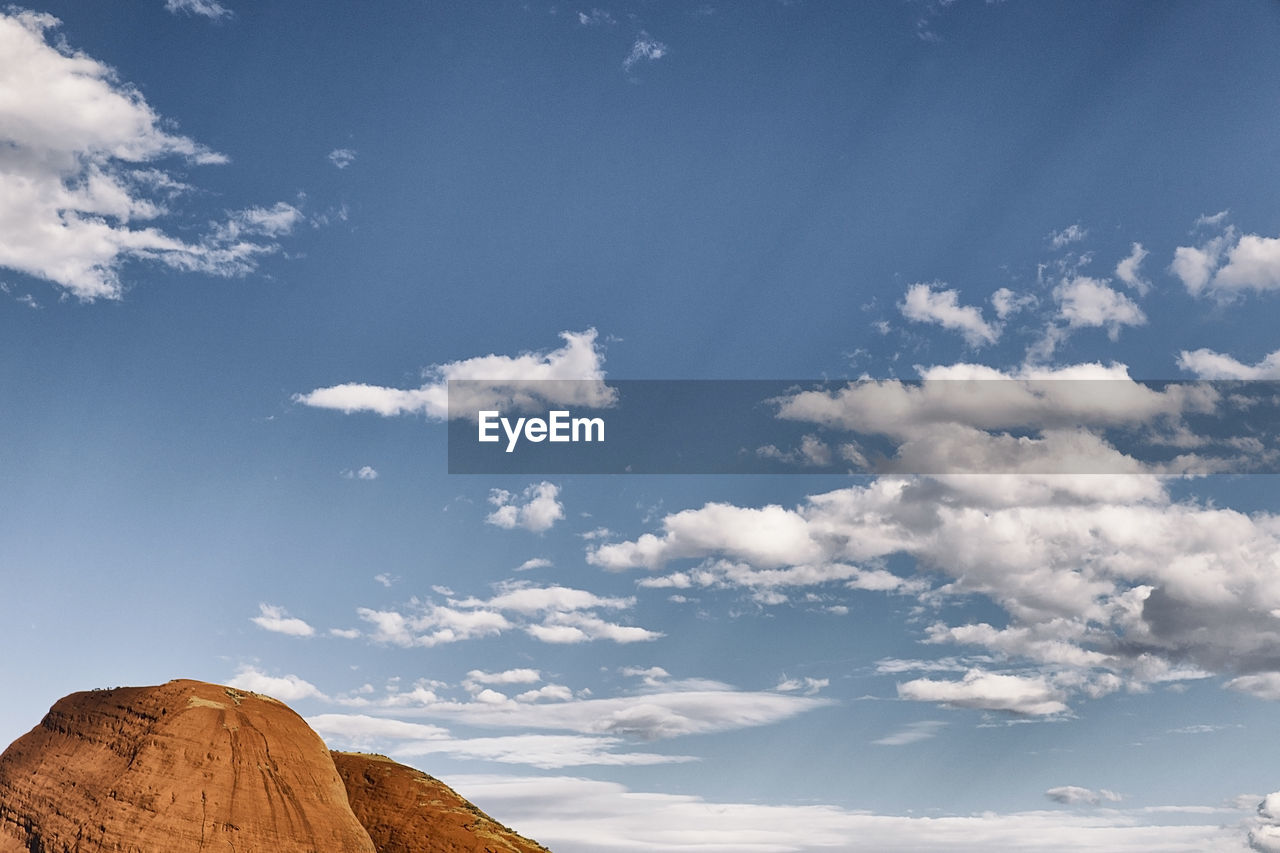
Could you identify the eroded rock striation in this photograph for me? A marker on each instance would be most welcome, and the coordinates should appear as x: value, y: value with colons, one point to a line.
x: 190, y: 766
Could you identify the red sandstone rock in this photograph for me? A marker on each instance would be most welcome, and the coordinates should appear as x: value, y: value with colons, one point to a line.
x: 407, y: 811
x: 197, y: 767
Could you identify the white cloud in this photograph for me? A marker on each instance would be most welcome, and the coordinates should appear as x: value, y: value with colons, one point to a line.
x: 534, y: 563
x: 809, y: 686
x: 645, y: 49
x: 77, y: 148
x: 1071, y: 795
x: 408, y: 740
x: 1208, y: 364
x: 510, y: 383
x: 272, y: 618
x: 207, y: 8
x: 1067, y: 236
x: 1107, y: 583
x: 288, y: 688
x: 536, y: 510
x: 511, y: 676
x: 1264, y: 836
x: 342, y: 157
x: 1128, y: 270
x: 1007, y: 303
x: 922, y: 304
x: 554, y: 614
x: 345, y: 633
x: 1087, y: 302
x: 366, y: 472
x: 596, y: 18
x: 1229, y: 263
x: 987, y: 691
x: 577, y: 815
x: 912, y: 733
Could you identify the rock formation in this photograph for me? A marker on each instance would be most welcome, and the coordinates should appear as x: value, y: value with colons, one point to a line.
x: 400, y: 806
x: 189, y: 766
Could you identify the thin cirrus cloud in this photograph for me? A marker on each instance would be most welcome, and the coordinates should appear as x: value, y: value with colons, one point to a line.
x: 580, y: 360
x: 82, y: 183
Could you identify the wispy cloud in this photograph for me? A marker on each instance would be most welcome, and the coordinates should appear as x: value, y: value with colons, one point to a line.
x: 80, y: 188
x: 342, y: 157
x: 206, y: 8
x: 644, y: 49
x: 924, y: 304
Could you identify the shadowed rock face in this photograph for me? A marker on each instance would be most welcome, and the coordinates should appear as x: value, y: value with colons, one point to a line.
x: 189, y: 766
x: 407, y: 811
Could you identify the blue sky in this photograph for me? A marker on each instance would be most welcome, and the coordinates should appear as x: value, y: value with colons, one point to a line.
x: 243, y: 244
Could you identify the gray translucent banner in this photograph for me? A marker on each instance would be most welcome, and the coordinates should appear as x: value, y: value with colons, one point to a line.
x: 928, y: 426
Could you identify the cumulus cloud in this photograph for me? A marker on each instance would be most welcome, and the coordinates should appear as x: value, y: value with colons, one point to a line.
x: 1007, y: 302
x: 1129, y: 270
x: 968, y: 418
x: 206, y: 8
x: 1209, y: 364
x: 537, y: 509
x: 1086, y: 302
x: 533, y: 563
x: 1264, y: 836
x: 1107, y: 583
x: 1228, y: 263
x: 987, y: 691
x: 577, y: 815
x: 923, y: 304
x: 1072, y: 795
x: 365, y: 472
x: 288, y: 688
x: 571, y: 375
x: 645, y: 49
x: 80, y: 180
x: 272, y: 618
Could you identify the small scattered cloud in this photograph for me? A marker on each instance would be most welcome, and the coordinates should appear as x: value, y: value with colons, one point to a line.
x: 537, y: 509
x: 366, y: 472
x: 1007, y: 302
x: 385, y: 579
x: 342, y: 157
x: 912, y: 733
x: 807, y: 686
x: 596, y: 18
x: 287, y: 688
x: 273, y: 618
x: 645, y: 49
x: 1086, y: 302
x: 1072, y: 795
x: 1071, y: 234
x: 534, y: 563
x: 205, y: 8
x: 1129, y: 270
x: 924, y: 304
